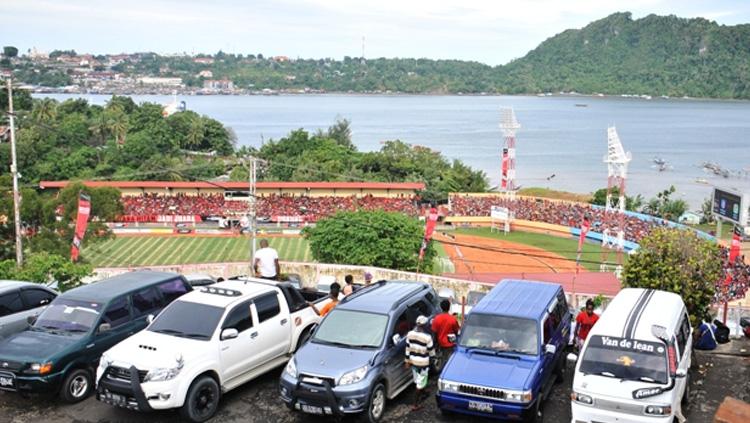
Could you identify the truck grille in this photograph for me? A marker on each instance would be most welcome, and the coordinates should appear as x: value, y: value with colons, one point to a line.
x: 481, y: 391
x: 618, y: 407
x: 10, y: 365
x: 317, y: 380
x: 123, y: 374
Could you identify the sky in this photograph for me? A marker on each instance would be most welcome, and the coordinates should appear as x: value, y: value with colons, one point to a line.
x: 488, y: 31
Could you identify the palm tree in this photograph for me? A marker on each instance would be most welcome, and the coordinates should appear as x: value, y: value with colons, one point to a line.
x: 118, y: 125
x: 195, y: 134
x: 44, y: 110
x: 100, y: 128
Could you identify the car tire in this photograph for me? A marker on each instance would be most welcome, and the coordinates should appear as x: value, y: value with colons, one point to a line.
x: 376, y: 404
x: 202, y: 400
x: 77, y: 386
x: 535, y: 417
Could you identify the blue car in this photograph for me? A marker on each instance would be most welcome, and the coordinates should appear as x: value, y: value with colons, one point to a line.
x: 354, y: 361
x: 509, y: 353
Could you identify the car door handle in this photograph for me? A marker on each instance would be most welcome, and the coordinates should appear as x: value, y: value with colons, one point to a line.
x: 225, y: 348
x: 283, y: 322
x: 90, y: 346
x: 254, y: 335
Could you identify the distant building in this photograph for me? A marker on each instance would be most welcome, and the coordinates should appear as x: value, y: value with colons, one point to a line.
x: 280, y: 58
x: 205, y: 74
x: 218, y: 84
x: 204, y: 60
x: 152, y: 80
x: 35, y: 54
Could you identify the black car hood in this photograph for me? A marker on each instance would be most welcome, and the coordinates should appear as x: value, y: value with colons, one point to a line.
x: 34, y: 346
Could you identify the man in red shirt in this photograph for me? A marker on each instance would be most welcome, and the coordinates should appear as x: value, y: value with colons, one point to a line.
x: 584, y: 322
x: 443, y: 325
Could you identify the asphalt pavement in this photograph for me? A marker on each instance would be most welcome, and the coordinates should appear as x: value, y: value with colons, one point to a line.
x: 714, y: 376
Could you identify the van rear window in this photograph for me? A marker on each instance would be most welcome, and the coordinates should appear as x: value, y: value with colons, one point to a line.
x: 627, y: 359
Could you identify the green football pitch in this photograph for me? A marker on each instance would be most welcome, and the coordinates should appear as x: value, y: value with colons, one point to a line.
x: 165, y: 250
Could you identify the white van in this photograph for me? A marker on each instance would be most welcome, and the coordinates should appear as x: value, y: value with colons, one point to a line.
x: 634, y: 364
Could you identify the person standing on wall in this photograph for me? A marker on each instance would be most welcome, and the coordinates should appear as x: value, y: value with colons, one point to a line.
x: 266, y: 262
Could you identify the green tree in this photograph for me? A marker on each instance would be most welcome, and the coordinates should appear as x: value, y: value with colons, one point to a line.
x: 664, y: 206
x: 369, y: 238
x: 599, y: 198
x: 677, y: 261
x: 10, y: 51
x: 47, y: 268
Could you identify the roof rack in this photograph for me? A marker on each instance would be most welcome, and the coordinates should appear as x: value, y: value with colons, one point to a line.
x: 361, y: 291
x: 221, y: 291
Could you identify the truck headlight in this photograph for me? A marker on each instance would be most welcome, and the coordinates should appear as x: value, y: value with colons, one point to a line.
x: 40, y: 368
x: 448, y: 386
x: 658, y: 410
x: 519, y: 396
x: 162, y: 374
x: 354, y: 376
x: 291, y: 368
x: 581, y: 398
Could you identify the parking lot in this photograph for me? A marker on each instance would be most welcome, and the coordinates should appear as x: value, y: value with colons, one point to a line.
x: 715, y: 377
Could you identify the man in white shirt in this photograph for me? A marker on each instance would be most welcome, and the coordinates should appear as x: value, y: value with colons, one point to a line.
x: 266, y: 263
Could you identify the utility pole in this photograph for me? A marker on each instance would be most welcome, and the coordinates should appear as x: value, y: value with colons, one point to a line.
x: 14, y: 172
x: 251, y: 209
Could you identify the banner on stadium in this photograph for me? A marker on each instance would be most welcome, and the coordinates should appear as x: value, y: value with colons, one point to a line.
x: 176, y: 218
x: 82, y: 221
x: 499, y: 213
x: 505, y: 163
x: 288, y: 219
x: 429, y: 228
x: 734, y: 248
x: 585, y: 227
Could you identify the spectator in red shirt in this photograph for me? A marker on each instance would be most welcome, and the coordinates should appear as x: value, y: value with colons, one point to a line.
x: 445, y: 324
x: 584, y: 322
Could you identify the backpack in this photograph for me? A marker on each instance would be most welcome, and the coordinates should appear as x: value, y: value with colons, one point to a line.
x: 722, y: 332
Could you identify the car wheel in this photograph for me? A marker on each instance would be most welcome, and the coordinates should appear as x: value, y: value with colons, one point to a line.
x: 77, y: 385
x: 376, y: 404
x: 202, y: 400
x: 535, y: 416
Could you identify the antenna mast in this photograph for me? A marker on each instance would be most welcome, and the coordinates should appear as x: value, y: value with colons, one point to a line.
x: 509, y: 125
x: 617, y: 174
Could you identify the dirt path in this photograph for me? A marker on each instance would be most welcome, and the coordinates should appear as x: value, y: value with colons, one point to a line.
x: 478, y: 254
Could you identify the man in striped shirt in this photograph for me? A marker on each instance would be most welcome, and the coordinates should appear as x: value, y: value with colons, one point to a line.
x: 419, y: 349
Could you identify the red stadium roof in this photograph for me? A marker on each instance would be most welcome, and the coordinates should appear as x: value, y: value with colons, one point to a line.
x: 242, y: 185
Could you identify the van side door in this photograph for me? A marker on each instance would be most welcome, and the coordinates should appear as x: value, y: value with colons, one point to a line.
x: 12, y: 317
x: 684, y: 341
x: 146, y: 301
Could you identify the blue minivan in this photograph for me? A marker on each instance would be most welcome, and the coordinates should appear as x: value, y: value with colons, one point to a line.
x: 509, y: 353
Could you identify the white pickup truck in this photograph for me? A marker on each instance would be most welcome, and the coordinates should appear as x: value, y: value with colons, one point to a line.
x: 204, y: 344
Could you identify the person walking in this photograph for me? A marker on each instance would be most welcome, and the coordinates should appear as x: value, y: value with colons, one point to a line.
x: 333, y: 294
x: 585, y: 320
x: 419, y: 350
x: 266, y: 262
x: 349, y: 287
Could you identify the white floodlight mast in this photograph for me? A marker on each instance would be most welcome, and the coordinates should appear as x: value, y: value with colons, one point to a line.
x: 509, y: 125
x: 617, y: 174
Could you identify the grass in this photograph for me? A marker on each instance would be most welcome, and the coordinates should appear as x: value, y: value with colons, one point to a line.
x: 554, y: 194
x: 566, y: 247
x: 166, y: 250
x: 726, y: 229
x: 443, y: 263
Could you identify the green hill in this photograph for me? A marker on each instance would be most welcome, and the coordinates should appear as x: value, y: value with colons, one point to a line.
x: 655, y: 55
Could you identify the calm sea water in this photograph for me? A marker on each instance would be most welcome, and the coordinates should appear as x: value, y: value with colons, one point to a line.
x: 557, y: 137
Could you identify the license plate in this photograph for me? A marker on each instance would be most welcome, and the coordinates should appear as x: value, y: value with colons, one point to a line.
x: 116, y: 399
x: 480, y: 406
x: 311, y: 409
x: 7, y: 381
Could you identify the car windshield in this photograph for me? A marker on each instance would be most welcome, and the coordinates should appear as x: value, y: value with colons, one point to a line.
x: 354, y: 329
x: 623, y: 358
x: 500, y: 333
x: 188, y: 320
x: 73, y: 316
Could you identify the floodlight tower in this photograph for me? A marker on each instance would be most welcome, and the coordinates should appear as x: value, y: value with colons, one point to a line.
x: 509, y: 125
x: 617, y: 174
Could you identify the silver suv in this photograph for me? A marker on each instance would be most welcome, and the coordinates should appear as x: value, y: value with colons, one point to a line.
x: 19, y: 301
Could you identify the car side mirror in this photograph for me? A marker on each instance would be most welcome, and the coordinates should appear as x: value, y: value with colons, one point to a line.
x: 44, y: 302
x: 31, y: 320
x: 104, y: 327
x: 149, y: 318
x: 229, y: 333
x: 396, y: 338
x: 572, y: 358
x: 680, y: 373
x: 550, y: 349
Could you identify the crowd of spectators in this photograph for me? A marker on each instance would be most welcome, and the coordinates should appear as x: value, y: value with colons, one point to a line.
x: 270, y: 206
x: 737, y: 283
x: 555, y: 212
